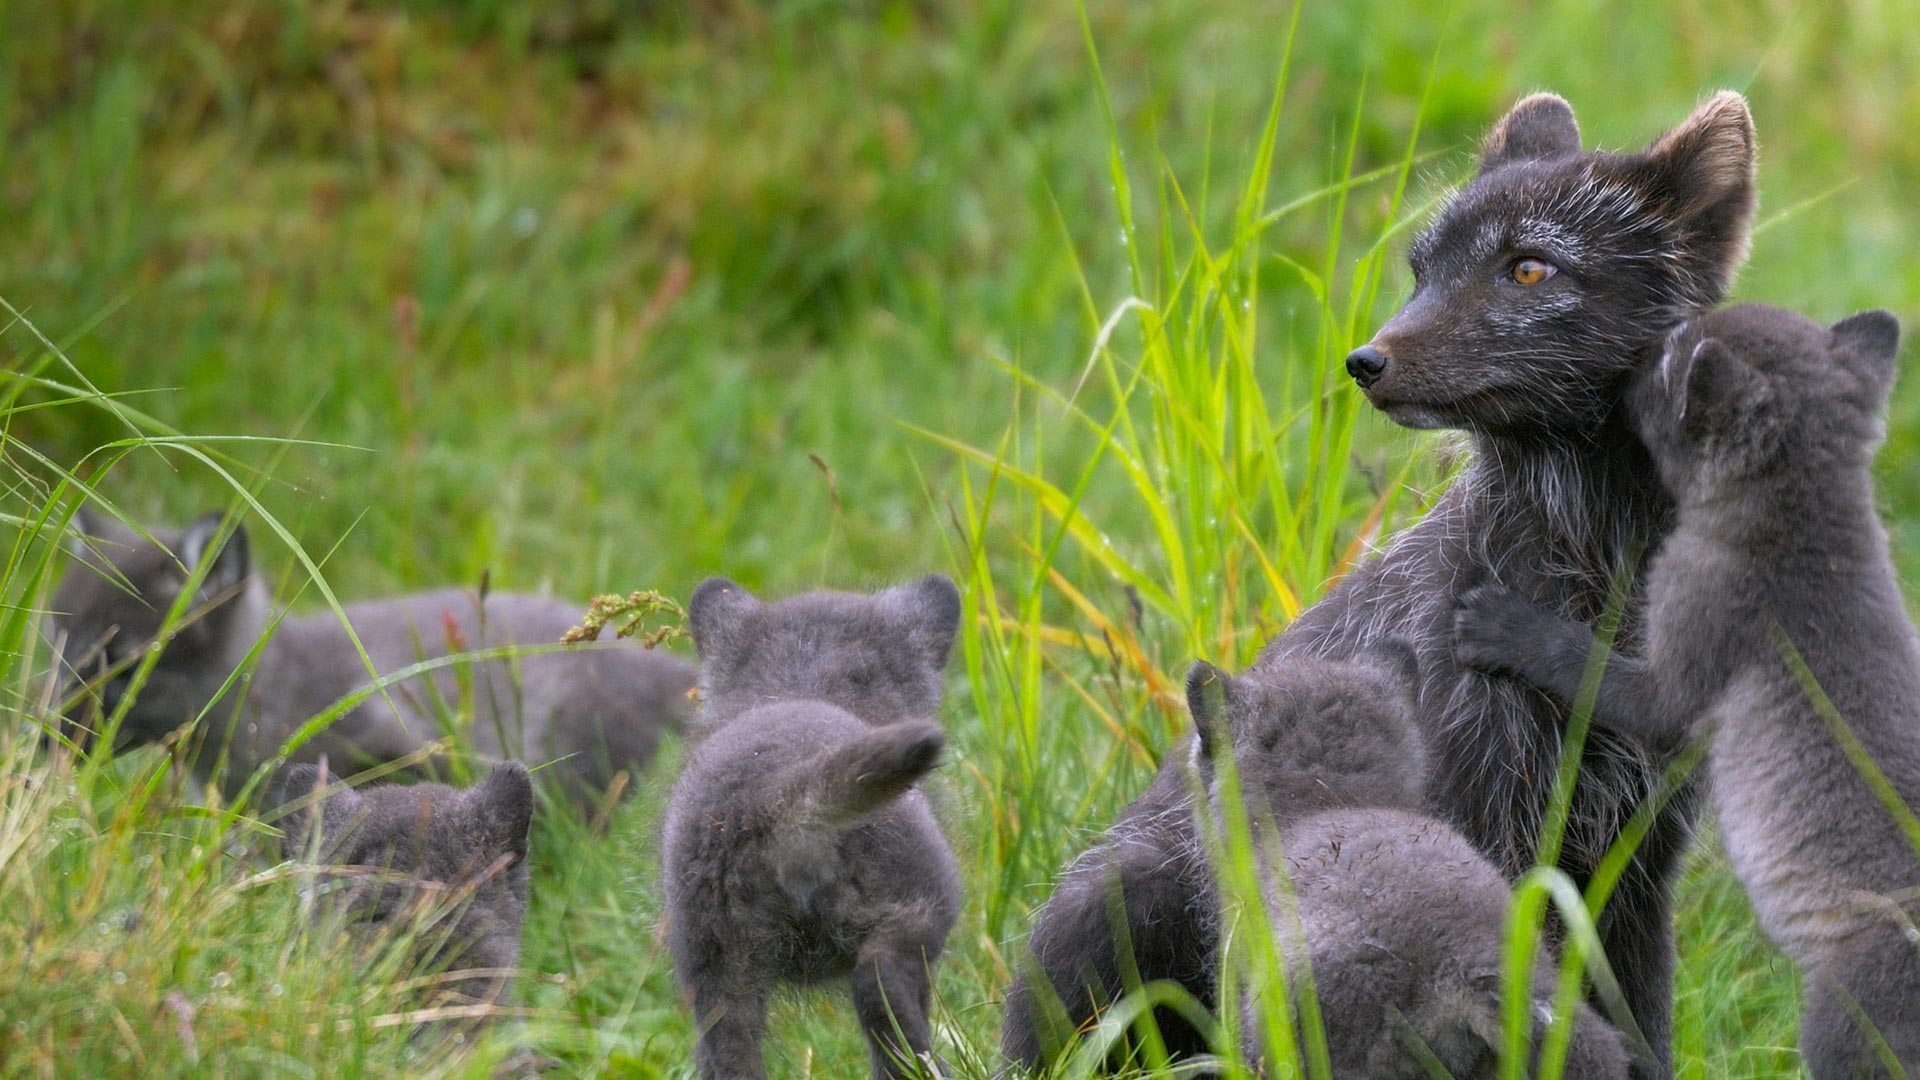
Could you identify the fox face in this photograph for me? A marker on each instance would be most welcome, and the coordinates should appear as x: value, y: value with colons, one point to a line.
x: 1750, y: 390
x: 879, y: 657
x: 111, y: 607
x: 1314, y: 734
x: 1542, y: 280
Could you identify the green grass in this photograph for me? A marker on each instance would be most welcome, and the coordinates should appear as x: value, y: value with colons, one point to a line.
x: 807, y: 293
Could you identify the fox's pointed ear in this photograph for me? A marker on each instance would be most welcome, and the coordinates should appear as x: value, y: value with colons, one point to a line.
x: 504, y: 802
x: 1207, y: 690
x: 80, y: 528
x: 1402, y: 663
x: 231, y: 566
x: 1538, y: 127
x: 1724, y: 397
x: 1700, y: 176
x: 1868, y: 343
x: 715, y: 613
x: 930, y: 610
x: 303, y: 787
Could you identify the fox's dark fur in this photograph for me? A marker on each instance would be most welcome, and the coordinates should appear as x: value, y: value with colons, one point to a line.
x: 798, y: 848
x: 601, y: 711
x: 1399, y: 923
x: 446, y: 865
x: 1763, y: 424
x: 1559, y: 501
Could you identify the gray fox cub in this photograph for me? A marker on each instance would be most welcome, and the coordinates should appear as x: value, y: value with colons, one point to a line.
x: 798, y: 847
x: 1763, y: 425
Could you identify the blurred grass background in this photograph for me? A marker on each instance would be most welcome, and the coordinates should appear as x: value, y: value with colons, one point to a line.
x: 616, y: 295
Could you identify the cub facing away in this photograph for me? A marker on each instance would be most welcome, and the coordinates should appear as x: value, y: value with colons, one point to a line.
x: 798, y: 847
x: 1398, y: 923
x: 594, y: 711
x: 1764, y: 425
x: 444, y: 865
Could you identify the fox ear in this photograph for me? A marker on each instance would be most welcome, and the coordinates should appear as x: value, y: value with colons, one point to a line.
x: 1401, y: 661
x: 1207, y: 691
x: 715, y: 613
x: 81, y: 528
x: 230, y: 567
x: 930, y: 608
x: 304, y: 787
x: 504, y: 801
x: 1700, y: 176
x: 1868, y: 343
x: 1537, y: 128
x: 1723, y: 395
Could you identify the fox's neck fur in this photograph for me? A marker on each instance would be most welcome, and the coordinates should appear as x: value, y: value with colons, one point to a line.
x: 1584, y: 511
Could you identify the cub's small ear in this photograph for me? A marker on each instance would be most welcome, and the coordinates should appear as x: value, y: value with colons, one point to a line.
x: 715, y: 613
x: 930, y: 608
x: 231, y: 566
x: 1700, y: 175
x: 297, y: 783
x: 84, y: 523
x: 1207, y: 688
x: 1724, y: 395
x: 504, y: 801
x: 1539, y: 127
x: 1401, y: 662
x: 79, y: 531
x: 1869, y: 343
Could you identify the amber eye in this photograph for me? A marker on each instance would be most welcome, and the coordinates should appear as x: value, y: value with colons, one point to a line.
x: 1530, y: 271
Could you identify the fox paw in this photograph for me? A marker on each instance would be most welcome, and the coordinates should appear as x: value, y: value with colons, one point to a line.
x: 1493, y: 626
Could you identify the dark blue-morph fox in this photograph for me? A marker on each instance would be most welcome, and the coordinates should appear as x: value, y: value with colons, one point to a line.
x: 1536, y: 292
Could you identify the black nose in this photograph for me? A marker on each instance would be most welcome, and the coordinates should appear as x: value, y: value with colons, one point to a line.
x: 1366, y: 364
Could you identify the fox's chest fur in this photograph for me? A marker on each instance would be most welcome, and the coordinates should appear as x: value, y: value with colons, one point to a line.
x: 1498, y: 740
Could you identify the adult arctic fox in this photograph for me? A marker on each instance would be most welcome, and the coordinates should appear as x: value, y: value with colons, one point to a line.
x: 1535, y: 291
x: 595, y: 711
x: 1763, y: 425
x: 798, y: 847
x: 1397, y: 921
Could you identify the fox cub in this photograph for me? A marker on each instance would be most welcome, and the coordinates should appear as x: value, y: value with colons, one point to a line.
x: 449, y: 867
x: 1764, y: 425
x: 798, y: 848
x: 1398, y: 923
x: 595, y: 711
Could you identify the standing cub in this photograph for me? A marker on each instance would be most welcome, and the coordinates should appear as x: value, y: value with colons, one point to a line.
x: 596, y: 711
x: 1763, y: 425
x: 798, y: 848
x: 1399, y: 923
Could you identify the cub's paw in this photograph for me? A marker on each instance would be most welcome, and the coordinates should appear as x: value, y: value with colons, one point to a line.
x: 1494, y: 627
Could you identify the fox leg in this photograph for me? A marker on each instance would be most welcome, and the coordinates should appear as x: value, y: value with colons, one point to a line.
x: 731, y: 1022
x: 891, y: 994
x: 1636, y: 932
x: 1502, y: 632
x: 1864, y: 1013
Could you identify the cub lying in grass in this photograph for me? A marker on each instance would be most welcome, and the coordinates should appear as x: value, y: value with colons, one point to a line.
x: 1763, y: 425
x: 597, y: 711
x: 798, y: 848
x: 446, y: 867
x: 1399, y: 923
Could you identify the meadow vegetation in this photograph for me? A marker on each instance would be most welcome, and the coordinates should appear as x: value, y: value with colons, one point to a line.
x: 812, y: 294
